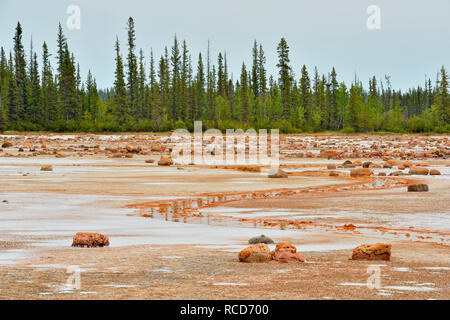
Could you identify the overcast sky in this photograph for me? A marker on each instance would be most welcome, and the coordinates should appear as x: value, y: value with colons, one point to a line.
x: 413, y: 41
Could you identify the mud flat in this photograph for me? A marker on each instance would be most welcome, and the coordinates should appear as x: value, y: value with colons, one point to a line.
x: 175, y: 230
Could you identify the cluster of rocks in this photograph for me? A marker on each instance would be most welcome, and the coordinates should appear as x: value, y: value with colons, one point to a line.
x: 61, y: 146
x: 366, y: 168
x: 284, y: 252
x: 337, y: 147
x: 260, y: 252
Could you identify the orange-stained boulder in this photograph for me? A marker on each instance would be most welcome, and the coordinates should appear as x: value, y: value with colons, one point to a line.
x: 158, y: 148
x: 6, y: 144
x: 286, y: 252
x: 165, y: 161
x: 90, y: 240
x: 434, y: 172
x: 418, y: 170
x: 132, y: 149
x: 256, y: 253
x: 331, y: 166
x: 377, y: 251
x: 285, y: 246
x: 407, y: 164
x: 361, y: 172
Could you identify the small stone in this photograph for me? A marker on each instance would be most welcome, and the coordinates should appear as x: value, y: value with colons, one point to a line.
x: 277, y: 173
x: 434, y: 172
x: 361, y: 172
x: 366, y: 164
x: 165, y: 161
x: 260, y: 239
x: 420, y: 187
x: 419, y: 171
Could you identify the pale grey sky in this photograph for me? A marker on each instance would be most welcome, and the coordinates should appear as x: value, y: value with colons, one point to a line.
x: 414, y: 39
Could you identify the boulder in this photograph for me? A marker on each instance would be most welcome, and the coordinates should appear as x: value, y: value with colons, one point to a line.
x: 334, y: 174
x: 132, y: 149
x: 255, y: 253
x: 149, y: 161
x: 286, y: 252
x: 165, y: 161
x: 6, y: 144
x: 361, y: 172
x: 260, y: 239
x: 90, y: 240
x: 381, y: 174
x: 434, y: 172
x: 46, y: 167
x: 407, y: 164
x: 419, y: 187
x: 396, y: 173
x: 60, y: 155
x: 357, y: 163
x: 390, y: 163
x: 418, y: 170
x: 277, y: 173
x: 377, y: 251
x: 157, y: 148
x: 347, y: 162
x: 331, y: 166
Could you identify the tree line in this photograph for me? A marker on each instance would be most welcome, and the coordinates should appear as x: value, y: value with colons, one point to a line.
x: 167, y: 93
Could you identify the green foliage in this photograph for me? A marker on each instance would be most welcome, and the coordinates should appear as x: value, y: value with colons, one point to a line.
x: 173, y: 94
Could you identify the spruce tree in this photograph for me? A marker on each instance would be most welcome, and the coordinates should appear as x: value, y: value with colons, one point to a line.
x: 285, y: 79
x: 245, y: 104
x: 120, y: 98
x: 68, y: 88
x: 20, y: 74
x: 132, y: 73
x: 262, y: 73
x: 175, y: 60
x: 49, y: 94
x: 255, y: 70
x: 443, y: 99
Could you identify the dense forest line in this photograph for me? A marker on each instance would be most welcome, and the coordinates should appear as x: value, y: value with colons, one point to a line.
x: 166, y: 94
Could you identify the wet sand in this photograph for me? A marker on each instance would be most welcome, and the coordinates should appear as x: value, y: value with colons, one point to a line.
x: 175, y: 231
